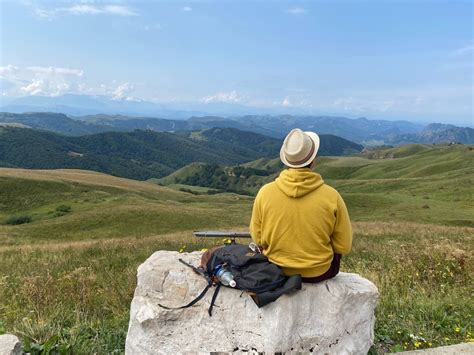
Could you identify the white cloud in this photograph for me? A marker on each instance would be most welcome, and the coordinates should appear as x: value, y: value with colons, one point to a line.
x: 85, y: 9
x: 229, y: 97
x: 7, y: 70
x: 45, y: 86
x: 82, y: 10
x: 56, y: 81
x: 297, y: 11
x: 119, y: 10
x: 122, y: 92
x: 286, y: 102
x: 38, y: 80
x: 187, y: 8
x: 55, y: 70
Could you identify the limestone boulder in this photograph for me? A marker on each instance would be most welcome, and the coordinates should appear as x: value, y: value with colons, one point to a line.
x: 333, y: 317
x: 10, y: 345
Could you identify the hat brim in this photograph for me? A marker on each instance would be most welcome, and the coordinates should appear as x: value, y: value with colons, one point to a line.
x: 315, y: 138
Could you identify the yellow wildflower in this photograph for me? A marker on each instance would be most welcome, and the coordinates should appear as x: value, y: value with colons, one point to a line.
x: 457, y: 329
x: 204, y: 250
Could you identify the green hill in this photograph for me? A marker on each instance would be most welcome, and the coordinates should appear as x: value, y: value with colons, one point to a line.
x: 68, y: 271
x: 55, y: 122
x: 139, y: 154
x: 239, y: 179
x: 435, y: 181
x: 103, y: 206
x: 71, y: 240
x: 143, y: 154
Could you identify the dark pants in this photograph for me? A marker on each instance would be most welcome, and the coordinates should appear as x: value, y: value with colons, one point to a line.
x: 333, y: 271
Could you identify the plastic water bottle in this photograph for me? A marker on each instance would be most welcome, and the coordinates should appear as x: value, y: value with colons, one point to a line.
x: 225, y: 276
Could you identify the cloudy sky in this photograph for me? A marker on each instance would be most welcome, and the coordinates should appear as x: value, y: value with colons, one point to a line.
x: 380, y: 59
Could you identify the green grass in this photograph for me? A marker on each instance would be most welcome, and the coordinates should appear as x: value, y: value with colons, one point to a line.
x: 430, y: 183
x: 67, y: 279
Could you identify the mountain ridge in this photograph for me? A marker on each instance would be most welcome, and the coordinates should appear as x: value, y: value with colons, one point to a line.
x: 141, y: 154
x: 360, y: 130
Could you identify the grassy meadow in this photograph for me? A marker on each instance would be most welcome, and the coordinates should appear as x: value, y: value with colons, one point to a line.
x: 68, y: 276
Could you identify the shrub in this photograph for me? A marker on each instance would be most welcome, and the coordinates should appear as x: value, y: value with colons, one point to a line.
x: 62, y: 210
x: 189, y: 191
x: 213, y: 192
x: 16, y: 220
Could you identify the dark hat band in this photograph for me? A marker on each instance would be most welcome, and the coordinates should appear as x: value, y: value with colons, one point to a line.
x: 311, y: 151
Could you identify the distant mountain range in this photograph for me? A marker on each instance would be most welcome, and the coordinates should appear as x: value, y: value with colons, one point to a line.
x: 80, y: 105
x: 435, y: 133
x: 361, y: 130
x: 144, y: 154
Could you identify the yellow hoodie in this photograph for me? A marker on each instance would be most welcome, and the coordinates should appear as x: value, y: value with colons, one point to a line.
x: 300, y: 223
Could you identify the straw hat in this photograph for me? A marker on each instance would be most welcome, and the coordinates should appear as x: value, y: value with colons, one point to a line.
x: 299, y: 148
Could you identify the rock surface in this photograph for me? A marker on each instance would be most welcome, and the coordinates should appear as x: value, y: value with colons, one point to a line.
x: 335, y: 316
x: 458, y: 349
x: 10, y: 345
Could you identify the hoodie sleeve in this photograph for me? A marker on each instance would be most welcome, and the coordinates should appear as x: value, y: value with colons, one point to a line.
x: 342, y: 235
x: 256, y: 222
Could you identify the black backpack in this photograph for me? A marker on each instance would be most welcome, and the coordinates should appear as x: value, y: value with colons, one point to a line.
x: 252, y: 272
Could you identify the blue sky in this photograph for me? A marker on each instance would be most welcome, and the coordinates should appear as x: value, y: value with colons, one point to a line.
x: 379, y: 59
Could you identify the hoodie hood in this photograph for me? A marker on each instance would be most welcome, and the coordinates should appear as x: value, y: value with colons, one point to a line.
x: 298, y: 182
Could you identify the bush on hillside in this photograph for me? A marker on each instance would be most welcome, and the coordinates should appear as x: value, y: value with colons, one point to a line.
x: 189, y: 191
x: 62, y: 210
x: 213, y: 192
x: 16, y: 220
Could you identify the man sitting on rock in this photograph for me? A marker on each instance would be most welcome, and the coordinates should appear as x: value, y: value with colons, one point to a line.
x: 301, y: 224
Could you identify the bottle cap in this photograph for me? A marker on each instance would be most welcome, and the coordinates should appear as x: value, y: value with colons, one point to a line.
x: 232, y: 283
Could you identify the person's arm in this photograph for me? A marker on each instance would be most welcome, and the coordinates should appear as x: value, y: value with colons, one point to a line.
x: 255, y: 227
x: 342, y: 235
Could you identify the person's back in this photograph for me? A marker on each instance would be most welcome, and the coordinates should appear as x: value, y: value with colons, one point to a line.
x: 301, y: 223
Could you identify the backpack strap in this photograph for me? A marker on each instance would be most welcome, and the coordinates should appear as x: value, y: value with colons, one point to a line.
x: 198, y: 270
x: 194, y: 301
x: 201, y: 272
x: 213, y: 300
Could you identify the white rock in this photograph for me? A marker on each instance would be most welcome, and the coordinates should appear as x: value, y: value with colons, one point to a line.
x: 332, y: 317
x: 10, y: 345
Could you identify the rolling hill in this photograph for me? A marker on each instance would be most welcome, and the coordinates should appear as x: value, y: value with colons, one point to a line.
x: 142, y: 154
x: 68, y: 276
x: 437, y: 179
x: 55, y: 122
x: 139, y: 154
